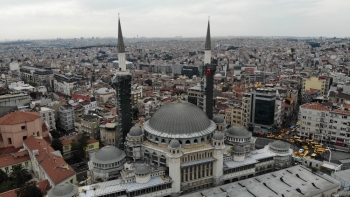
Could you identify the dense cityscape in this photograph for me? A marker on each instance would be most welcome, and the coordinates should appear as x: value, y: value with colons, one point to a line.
x: 207, y: 116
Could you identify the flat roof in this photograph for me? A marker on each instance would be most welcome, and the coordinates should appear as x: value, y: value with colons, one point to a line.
x: 271, y: 184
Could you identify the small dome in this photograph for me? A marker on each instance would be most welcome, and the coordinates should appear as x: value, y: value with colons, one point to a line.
x: 108, y: 154
x: 135, y: 131
x: 142, y: 169
x: 238, y: 131
x: 218, y: 136
x: 218, y: 119
x: 174, y: 143
x: 279, y: 145
x: 63, y: 190
x: 237, y: 149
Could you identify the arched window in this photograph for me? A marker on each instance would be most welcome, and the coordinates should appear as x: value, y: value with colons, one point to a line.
x: 157, y: 139
x: 195, y: 141
x: 188, y: 142
x: 163, y: 141
x: 202, y: 140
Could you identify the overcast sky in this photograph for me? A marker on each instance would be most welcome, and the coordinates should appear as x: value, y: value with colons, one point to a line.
x: 42, y: 19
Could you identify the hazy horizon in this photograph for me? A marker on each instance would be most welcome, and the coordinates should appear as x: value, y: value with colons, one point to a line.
x: 40, y: 19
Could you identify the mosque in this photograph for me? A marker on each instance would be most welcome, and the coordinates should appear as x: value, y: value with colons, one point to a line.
x: 180, y: 150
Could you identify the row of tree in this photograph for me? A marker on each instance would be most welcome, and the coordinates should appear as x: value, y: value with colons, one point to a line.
x: 19, y: 178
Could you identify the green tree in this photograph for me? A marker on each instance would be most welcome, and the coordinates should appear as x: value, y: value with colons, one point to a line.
x: 29, y: 190
x: 20, y: 175
x: 56, y: 144
x: 76, y: 151
x: 55, y: 134
x: 3, y: 176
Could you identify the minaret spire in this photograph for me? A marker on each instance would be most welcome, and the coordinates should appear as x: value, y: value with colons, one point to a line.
x: 208, y: 40
x: 121, y: 47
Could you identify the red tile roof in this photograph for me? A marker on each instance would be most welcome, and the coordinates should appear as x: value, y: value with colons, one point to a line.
x: 44, y: 187
x: 314, y: 106
x: 339, y: 111
x: 91, y: 140
x: 12, y: 159
x: 54, y: 166
x: 18, y: 117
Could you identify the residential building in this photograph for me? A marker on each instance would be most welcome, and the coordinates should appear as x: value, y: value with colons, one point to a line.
x: 18, y: 126
x: 90, y: 124
x: 67, y: 83
x: 136, y: 94
x: 233, y: 115
x: 47, y: 164
x: 325, y: 124
x: 109, y: 134
x: 92, y: 145
x: 18, y: 99
x: 37, y: 75
x: 48, y: 116
x: 103, y: 94
x: 66, y: 117
x: 21, y: 157
x: 321, y: 83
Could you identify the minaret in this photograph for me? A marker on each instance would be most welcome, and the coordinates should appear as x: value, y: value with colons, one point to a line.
x: 206, y: 101
x: 207, y: 55
x: 122, y: 85
x: 121, y: 48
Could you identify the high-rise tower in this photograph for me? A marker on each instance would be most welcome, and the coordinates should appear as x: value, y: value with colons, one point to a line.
x: 207, y: 71
x: 122, y: 85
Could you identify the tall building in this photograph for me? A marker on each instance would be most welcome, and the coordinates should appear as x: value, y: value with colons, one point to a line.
x: 262, y: 108
x: 206, y: 72
x: 66, y: 117
x: 122, y: 85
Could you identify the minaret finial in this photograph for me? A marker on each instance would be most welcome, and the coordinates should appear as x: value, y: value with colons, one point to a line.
x: 208, y: 40
x: 118, y: 16
x: 121, y: 47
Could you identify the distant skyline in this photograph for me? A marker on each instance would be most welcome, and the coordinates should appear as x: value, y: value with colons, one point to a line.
x: 42, y: 19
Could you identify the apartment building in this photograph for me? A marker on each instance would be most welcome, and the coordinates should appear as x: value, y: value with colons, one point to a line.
x: 321, y: 83
x: 48, y: 116
x: 37, y: 75
x: 325, y: 124
x: 233, y: 115
x: 136, y: 94
x: 67, y: 83
x: 14, y: 99
x: 90, y: 124
x: 66, y: 117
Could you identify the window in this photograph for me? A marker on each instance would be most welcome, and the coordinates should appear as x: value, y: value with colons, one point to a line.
x: 9, y: 140
x: 91, y: 146
x: 23, y: 127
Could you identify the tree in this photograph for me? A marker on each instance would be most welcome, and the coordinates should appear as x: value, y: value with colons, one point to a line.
x: 29, y: 190
x: 76, y: 149
x: 56, y: 144
x: 225, y: 89
x: 3, y: 176
x: 20, y: 175
x: 55, y: 134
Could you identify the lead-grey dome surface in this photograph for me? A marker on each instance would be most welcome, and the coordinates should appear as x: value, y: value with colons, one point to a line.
x: 218, y: 136
x: 64, y: 190
x: 238, y: 131
x: 279, y: 145
x: 108, y: 154
x: 179, y: 118
x: 218, y: 119
x: 174, y: 143
x: 135, y: 131
x: 238, y: 149
x: 142, y: 169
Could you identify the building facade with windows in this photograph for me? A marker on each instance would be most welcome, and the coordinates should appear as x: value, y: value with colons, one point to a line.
x: 66, y: 117
x: 90, y: 124
x: 48, y: 116
x: 325, y: 124
x: 18, y: 126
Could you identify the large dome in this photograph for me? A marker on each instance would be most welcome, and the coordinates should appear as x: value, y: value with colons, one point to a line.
x: 179, y: 120
x: 108, y: 154
x: 64, y: 190
x: 279, y: 145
